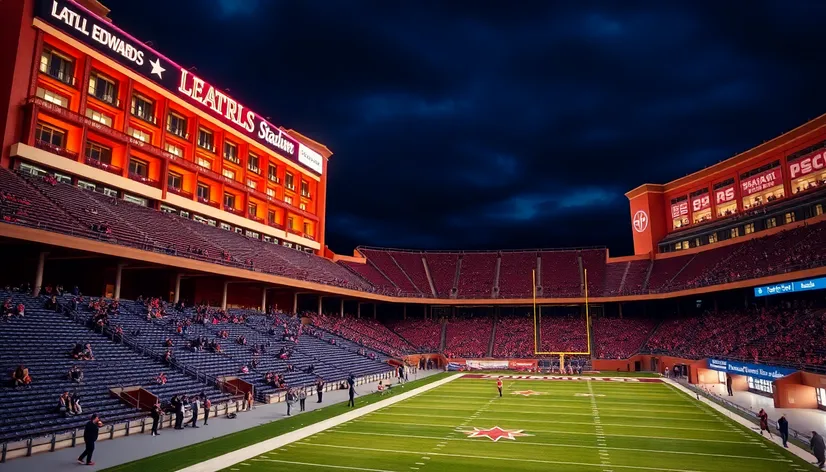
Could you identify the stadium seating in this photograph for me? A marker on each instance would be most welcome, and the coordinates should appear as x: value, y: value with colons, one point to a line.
x: 516, y: 274
x: 593, y: 260
x: 514, y: 336
x: 476, y: 275
x: 424, y: 335
x: 620, y: 338
x: 443, y: 271
x: 561, y: 276
x: 366, y: 332
x: 388, y: 266
x: 468, y: 336
x: 562, y: 333
x: 412, y: 264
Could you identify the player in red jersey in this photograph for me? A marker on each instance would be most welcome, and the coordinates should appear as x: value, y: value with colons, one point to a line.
x: 499, y: 385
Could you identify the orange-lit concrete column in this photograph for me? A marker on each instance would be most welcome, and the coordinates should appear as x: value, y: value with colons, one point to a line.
x: 264, y: 300
x: 295, y: 302
x: 224, y: 296
x: 118, y: 279
x: 178, y: 278
x: 320, y: 298
x: 38, y: 277
x: 342, y: 308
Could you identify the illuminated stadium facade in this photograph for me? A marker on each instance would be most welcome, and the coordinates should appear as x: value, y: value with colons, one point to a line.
x: 99, y: 110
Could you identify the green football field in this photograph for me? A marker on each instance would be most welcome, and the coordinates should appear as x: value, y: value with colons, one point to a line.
x: 594, y: 425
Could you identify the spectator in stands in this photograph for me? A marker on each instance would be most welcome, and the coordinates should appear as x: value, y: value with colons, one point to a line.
x: 21, y: 310
x: 75, y: 404
x: 63, y: 404
x: 161, y: 379
x: 76, y: 374
x: 87, y: 353
x: 21, y: 377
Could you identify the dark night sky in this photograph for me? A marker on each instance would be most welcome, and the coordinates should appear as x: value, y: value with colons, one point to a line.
x: 466, y: 124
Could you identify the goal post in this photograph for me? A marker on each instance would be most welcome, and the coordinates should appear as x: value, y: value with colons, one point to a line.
x: 536, y: 326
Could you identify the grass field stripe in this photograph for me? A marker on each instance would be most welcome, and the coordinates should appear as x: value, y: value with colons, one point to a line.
x: 507, y: 459
x: 579, y: 422
x: 557, y: 413
x: 579, y: 446
x: 584, y: 406
x: 664, y: 438
x: 225, y: 460
x: 326, y: 466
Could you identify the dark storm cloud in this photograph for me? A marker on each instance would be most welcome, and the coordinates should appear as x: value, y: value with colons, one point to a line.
x: 483, y: 125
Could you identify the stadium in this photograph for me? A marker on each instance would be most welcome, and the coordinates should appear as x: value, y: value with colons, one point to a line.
x: 170, y: 272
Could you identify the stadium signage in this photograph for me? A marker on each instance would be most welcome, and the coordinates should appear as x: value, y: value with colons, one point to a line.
x: 788, y: 287
x: 700, y: 203
x: 757, y: 371
x: 679, y: 209
x: 724, y: 195
x: 640, y: 221
x: 114, y: 43
x: 763, y: 181
x: 807, y: 165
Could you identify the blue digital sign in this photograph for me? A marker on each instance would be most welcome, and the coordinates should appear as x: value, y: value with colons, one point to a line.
x: 788, y: 287
x: 765, y: 372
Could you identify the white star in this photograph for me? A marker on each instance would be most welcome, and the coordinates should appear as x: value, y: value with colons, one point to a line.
x: 156, y: 68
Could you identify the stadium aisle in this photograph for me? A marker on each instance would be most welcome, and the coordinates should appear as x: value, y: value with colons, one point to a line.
x: 138, y: 446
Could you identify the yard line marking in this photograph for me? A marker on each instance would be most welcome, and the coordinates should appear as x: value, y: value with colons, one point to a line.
x: 574, y: 422
x: 666, y: 438
x: 528, y: 443
x: 506, y: 459
x: 327, y: 466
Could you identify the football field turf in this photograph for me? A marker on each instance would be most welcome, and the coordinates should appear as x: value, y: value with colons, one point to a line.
x: 558, y: 425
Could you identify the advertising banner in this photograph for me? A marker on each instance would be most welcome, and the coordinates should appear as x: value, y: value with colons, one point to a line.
x: 477, y: 364
x: 807, y: 165
x: 523, y: 365
x: 679, y: 209
x: 763, y: 181
x: 757, y: 371
x: 724, y: 195
x: 787, y: 287
x: 700, y: 203
x: 114, y: 43
x: 455, y: 366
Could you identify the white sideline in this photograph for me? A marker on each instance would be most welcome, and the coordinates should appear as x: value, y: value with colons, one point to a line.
x: 246, y: 453
x: 794, y: 449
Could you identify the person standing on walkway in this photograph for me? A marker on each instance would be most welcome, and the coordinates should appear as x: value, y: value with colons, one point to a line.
x: 207, y: 407
x: 90, y: 436
x: 818, y: 449
x: 156, y: 418
x: 302, y: 399
x: 319, y: 387
x: 764, y: 422
x: 289, y: 399
x: 351, y: 383
x: 178, y: 404
x: 499, y: 386
x: 196, y: 405
x: 728, y: 385
x: 783, y: 427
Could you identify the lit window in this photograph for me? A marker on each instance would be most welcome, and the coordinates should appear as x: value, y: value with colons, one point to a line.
x: 790, y: 218
x: 204, y: 162
x: 176, y: 124
x: 229, y: 200
x: 288, y: 181
x: 58, y: 65
x: 271, y: 192
x: 735, y: 232
x: 771, y: 223
x: 143, y: 108
x: 50, y: 135
x: 252, y: 163
x: 229, y: 173
x: 302, y: 206
x: 231, y: 152
x: 98, y: 153
x: 53, y: 97
x: 138, y: 167
x: 172, y: 149
x: 103, y: 88
x: 174, y: 180
x: 206, y: 140
x: 288, y: 200
x: 250, y: 183
x: 749, y: 228
x: 203, y: 192
x: 99, y: 117
x: 140, y: 135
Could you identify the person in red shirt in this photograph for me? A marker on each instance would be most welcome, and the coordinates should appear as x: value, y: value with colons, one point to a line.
x: 499, y: 385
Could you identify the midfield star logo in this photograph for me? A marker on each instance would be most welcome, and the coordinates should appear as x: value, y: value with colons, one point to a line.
x: 496, y: 433
x: 526, y: 393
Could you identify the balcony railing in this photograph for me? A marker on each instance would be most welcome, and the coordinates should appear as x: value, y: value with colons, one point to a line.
x: 232, y: 210
x: 104, y: 166
x: 255, y: 218
x: 144, y: 180
x: 233, y: 159
x: 60, y: 151
x: 253, y: 169
x: 180, y: 192
x: 109, y: 99
x: 274, y: 179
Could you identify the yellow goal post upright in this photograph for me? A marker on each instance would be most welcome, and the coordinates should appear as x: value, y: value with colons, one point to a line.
x: 536, y: 328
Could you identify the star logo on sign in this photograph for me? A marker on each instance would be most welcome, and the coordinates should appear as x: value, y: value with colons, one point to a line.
x: 526, y: 393
x: 156, y: 68
x: 496, y: 433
